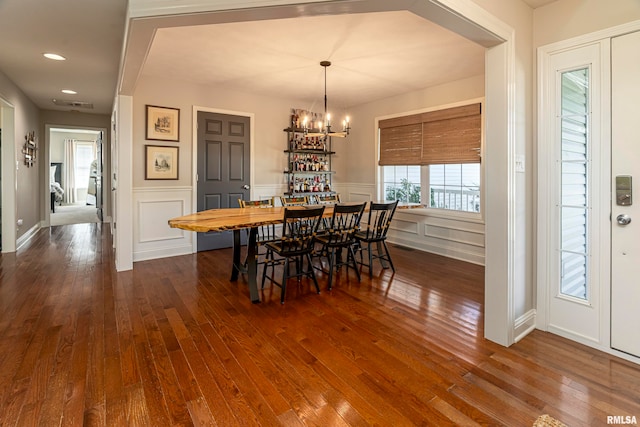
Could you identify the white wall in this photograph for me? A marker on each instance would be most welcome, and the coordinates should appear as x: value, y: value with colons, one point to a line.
x: 26, y: 193
x: 442, y: 233
x: 355, y: 179
x: 269, y: 160
x: 564, y: 19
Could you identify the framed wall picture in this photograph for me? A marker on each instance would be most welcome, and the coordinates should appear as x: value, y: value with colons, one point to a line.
x: 161, y: 162
x: 163, y: 123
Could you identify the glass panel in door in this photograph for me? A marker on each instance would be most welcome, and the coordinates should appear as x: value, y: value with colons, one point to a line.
x: 574, y: 170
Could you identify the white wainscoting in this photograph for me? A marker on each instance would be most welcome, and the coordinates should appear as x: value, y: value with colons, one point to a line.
x: 442, y: 234
x: 152, y: 209
x: 450, y: 235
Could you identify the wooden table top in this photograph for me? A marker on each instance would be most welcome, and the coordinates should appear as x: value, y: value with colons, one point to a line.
x: 234, y: 218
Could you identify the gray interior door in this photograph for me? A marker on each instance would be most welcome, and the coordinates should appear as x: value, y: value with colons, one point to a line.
x: 223, y: 169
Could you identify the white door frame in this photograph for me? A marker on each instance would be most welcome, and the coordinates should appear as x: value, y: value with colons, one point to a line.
x: 46, y: 222
x: 545, y: 242
x: 505, y: 261
x: 9, y: 177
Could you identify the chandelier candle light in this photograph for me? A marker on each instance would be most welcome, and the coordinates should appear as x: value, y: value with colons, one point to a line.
x: 324, y: 127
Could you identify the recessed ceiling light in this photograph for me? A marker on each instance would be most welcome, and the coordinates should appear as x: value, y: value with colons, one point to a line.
x: 54, y: 56
x: 69, y: 91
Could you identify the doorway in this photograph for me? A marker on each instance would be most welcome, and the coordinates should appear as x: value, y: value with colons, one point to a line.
x: 75, y: 175
x: 587, y: 286
x: 223, y: 168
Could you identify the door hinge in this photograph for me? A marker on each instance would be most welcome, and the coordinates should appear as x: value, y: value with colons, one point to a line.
x: 196, y: 177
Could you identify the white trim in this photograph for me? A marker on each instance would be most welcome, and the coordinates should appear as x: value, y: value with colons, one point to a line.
x: 124, y: 194
x: 161, y: 189
x: 46, y: 222
x: 9, y: 176
x: 449, y: 239
x: 461, y: 16
x: 525, y: 324
x: 502, y: 201
x: 153, y: 207
x: 27, y: 236
x: 589, y: 38
x: 458, y: 216
x: 146, y: 8
x: 443, y: 250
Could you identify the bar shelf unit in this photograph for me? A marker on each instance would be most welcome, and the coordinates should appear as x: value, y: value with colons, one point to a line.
x: 308, y: 170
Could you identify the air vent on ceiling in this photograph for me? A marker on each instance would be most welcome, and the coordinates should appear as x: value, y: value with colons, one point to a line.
x: 74, y: 104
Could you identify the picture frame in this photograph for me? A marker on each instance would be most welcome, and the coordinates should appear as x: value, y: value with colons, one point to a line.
x: 163, y: 123
x: 161, y: 162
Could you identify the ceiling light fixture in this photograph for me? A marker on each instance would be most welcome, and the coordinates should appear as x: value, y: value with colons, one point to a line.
x: 54, y: 56
x: 69, y: 91
x: 324, y: 126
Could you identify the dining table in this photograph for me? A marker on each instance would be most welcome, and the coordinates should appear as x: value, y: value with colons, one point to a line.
x: 236, y: 220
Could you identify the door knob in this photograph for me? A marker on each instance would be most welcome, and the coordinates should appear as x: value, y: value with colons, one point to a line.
x: 623, y: 219
x: 246, y: 187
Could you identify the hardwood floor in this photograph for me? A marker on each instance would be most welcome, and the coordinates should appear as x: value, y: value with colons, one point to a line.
x: 173, y: 342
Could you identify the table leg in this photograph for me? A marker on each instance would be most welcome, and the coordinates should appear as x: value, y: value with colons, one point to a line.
x: 237, y: 245
x: 252, y: 265
x: 252, y: 262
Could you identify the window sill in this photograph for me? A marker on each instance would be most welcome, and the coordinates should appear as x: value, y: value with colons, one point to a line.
x: 440, y: 213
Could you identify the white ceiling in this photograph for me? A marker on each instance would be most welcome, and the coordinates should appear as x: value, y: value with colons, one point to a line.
x: 374, y: 55
x: 88, y: 32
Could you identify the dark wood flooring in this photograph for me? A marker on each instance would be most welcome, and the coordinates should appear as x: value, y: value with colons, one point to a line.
x: 174, y: 342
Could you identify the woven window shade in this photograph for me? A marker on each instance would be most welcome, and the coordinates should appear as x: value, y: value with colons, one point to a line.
x: 401, y: 141
x: 451, y: 135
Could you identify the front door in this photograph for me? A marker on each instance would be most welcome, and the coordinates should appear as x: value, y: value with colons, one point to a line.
x: 625, y: 237
x: 223, y: 168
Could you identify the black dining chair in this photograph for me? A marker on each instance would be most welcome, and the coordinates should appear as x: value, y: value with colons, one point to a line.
x: 265, y: 233
x: 329, y: 199
x: 375, y: 231
x: 298, y: 238
x: 338, y: 235
x: 294, y: 200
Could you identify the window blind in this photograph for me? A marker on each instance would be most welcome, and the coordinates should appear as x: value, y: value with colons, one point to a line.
x: 401, y: 140
x: 445, y: 136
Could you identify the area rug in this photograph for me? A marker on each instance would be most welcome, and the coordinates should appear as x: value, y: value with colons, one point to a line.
x: 74, y: 214
x: 548, y: 421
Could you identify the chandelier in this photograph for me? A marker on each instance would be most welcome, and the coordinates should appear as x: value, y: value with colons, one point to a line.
x: 323, y: 127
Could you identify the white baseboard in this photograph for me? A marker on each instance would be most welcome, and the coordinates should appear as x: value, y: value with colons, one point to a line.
x: 524, y: 325
x: 145, y: 255
x: 27, y: 236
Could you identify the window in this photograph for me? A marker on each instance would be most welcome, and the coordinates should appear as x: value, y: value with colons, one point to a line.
x: 85, y: 154
x: 432, y: 158
x: 448, y: 186
x: 455, y: 187
x: 402, y: 183
x: 574, y: 169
